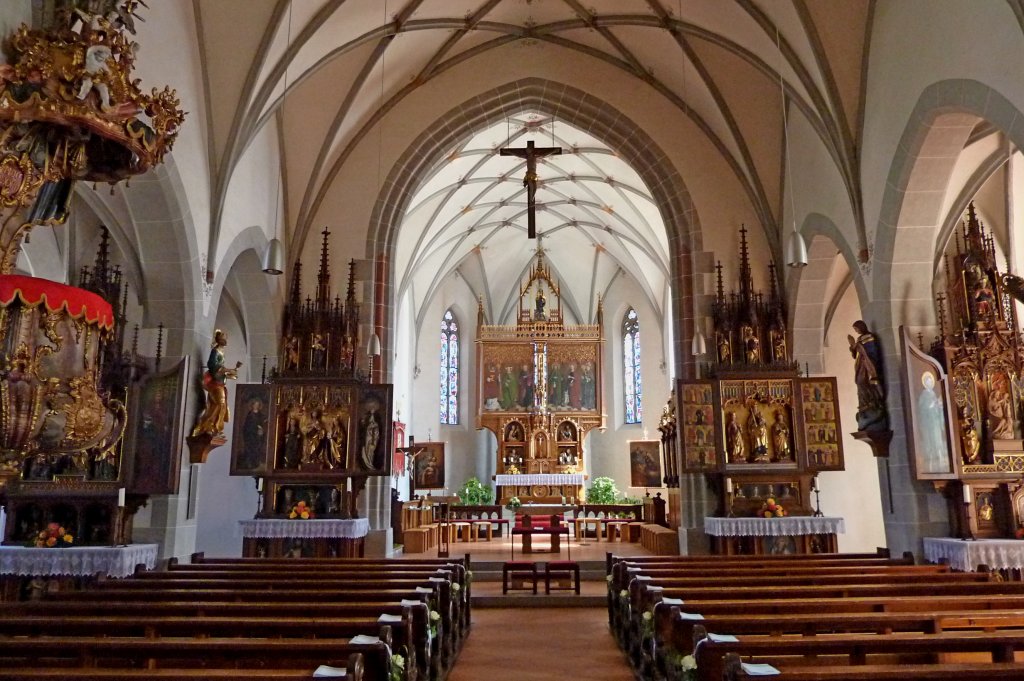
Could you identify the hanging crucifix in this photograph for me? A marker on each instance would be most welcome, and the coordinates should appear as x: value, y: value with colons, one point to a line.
x: 531, y: 154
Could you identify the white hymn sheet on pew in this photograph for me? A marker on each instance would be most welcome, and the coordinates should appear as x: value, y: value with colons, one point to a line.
x: 751, y: 669
x: 690, y: 616
x: 722, y: 638
x: 364, y: 640
x: 389, y: 619
x: 325, y: 671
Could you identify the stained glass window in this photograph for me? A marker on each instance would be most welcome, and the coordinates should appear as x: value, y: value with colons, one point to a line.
x: 631, y: 367
x: 449, y: 369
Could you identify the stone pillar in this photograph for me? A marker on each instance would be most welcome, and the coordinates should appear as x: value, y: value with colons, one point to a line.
x: 911, y: 510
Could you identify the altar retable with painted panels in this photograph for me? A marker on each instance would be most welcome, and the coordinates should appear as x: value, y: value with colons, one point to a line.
x: 540, y: 390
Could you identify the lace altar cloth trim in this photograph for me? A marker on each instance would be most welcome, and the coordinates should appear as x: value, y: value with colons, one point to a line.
x: 76, y: 561
x: 773, y: 527
x: 539, y: 479
x: 277, y: 528
x: 966, y: 556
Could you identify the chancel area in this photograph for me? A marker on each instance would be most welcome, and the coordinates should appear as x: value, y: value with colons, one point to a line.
x: 415, y: 340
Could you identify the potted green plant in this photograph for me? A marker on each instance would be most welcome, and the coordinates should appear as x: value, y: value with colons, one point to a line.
x: 602, y: 491
x: 474, y: 493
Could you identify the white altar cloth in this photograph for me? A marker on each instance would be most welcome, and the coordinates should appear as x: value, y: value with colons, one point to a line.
x: 966, y: 556
x: 773, y: 527
x: 285, y: 528
x: 523, y: 479
x: 76, y: 561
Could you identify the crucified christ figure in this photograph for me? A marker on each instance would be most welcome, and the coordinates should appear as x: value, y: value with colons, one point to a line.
x: 531, y: 154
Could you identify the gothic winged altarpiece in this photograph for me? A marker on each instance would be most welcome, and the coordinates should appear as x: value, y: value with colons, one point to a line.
x: 964, y: 396
x: 540, y: 392
x: 70, y: 110
x: 316, y: 430
x: 753, y: 426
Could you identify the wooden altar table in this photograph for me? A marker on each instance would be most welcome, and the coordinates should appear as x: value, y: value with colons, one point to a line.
x: 282, y: 538
x: 970, y: 555
x: 555, y: 533
x: 774, y: 536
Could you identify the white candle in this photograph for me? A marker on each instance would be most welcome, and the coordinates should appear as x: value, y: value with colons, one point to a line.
x: 728, y: 485
x: 814, y: 483
x: 259, y: 485
x: 348, y: 484
x: 120, y: 497
x: 967, y: 494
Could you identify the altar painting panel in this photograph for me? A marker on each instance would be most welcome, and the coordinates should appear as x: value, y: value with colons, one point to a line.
x: 429, y: 469
x: 157, y: 417
x: 926, y: 404
x: 645, y: 463
x: 758, y: 421
x: 698, y: 426
x: 509, y: 376
x: 252, y: 426
x: 313, y: 428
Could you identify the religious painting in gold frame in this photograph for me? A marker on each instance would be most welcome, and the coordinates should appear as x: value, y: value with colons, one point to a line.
x: 569, y: 368
x: 821, y: 428
x: 698, y: 425
x: 757, y: 427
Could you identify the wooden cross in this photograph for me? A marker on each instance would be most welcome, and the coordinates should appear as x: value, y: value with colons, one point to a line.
x: 531, y: 154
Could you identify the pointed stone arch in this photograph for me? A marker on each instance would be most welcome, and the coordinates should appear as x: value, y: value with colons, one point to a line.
x: 583, y: 110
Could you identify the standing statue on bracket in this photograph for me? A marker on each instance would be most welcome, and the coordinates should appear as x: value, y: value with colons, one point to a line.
x: 867, y: 367
x: 215, y: 414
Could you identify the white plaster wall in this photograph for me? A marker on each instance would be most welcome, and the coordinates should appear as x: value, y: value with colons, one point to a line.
x: 607, y: 453
x: 919, y: 42
x: 254, y: 194
x: 853, y: 494
x: 223, y: 500
x: 14, y: 13
x: 466, y: 450
x: 170, y: 56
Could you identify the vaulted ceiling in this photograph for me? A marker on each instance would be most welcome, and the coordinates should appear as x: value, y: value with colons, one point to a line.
x: 722, y: 63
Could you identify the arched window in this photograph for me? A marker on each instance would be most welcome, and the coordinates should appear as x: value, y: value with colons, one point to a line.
x: 449, y: 369
x: 631, y: 367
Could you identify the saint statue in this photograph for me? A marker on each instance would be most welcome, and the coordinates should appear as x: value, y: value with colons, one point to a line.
x: 981, y: 291
x: 215, y: 413
x: 291, y: 353
x: 867, y: 368
x: 724, y: 352
x: 734, y: 439
x: 758, y: 429
x: 540, y: 302
x: 969, y: 439
x: 778, y: 339
x: 292, y: 453
x: 751, y: 346
x: 780, y: 438
x: 371, y: 437
x: 1000, y: 414
x: 509, y: 389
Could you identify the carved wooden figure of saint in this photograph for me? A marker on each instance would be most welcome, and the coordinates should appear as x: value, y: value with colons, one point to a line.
x: 780, y: 438
x: 215, y: 413
x: 734, y: 439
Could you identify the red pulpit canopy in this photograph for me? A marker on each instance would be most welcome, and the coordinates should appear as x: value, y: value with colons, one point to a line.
x: 78, y: 303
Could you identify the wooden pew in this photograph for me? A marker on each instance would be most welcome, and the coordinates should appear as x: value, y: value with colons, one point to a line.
x: 674, y: 635
x: 853, y: 649
x: 73, y: 653
x: 310, y: 620
x: 428, y: 661
x: 353, y: 672
x: 1008, y: 671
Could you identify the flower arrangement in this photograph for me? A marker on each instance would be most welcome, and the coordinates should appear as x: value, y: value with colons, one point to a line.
x: 397, y: 668
x: 54, y: 536
x: 771, y: 509
x: 1019, y: 534
x: 435, y: 617
x: 685, y: 666
x: 513, y: 504
x: 301, y: 511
